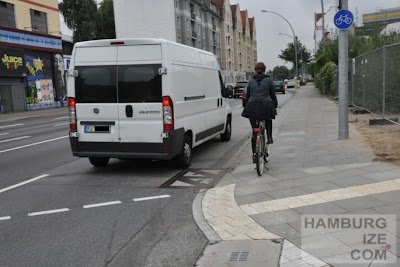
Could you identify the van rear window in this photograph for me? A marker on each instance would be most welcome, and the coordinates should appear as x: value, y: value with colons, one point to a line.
x: 96, y: 84
x: 139, y: 83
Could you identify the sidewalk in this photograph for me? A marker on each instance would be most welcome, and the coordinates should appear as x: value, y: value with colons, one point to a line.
x: 256, y: 221
x: 33, y: 114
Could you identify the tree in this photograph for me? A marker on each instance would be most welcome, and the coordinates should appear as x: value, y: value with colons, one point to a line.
x: 289, y: 55
x: 105, y: 20
x: 80, y: 16
x: 281, y: 72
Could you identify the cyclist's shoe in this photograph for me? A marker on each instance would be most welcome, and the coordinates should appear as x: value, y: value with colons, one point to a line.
x: 270, y: 140
x: 254, y: 158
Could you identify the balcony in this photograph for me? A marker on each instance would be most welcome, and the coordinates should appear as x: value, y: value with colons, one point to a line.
x: 194, y: 35
x: 193, y: 15
x: 214, y: 27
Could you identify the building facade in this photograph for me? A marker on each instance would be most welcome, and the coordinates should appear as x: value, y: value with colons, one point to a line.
x: 237, y: 38
x: 32, y: 73
x: 226, y: 27
x: 190, y: 22
x: 330, y: 28
x: 197, y: 25
x: 381, y: 18
x: 253, y: 44
x: 246, y: 43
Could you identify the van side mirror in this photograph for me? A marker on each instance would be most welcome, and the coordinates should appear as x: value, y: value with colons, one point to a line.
x: 224, y: 92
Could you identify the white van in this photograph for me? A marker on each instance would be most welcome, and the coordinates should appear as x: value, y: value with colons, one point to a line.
x: 144, y: 98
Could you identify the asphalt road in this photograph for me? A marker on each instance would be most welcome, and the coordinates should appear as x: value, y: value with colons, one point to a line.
x: 59, y: 210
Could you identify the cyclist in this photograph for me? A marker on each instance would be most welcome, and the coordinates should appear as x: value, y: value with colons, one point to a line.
x: 261, y: 102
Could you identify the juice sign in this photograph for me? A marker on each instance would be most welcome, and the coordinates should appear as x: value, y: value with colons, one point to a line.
x: 12, y: 62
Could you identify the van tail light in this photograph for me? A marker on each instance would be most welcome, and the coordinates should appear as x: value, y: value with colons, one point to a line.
x: 168, y: 113
x: 243, y: 94
x: 72, y: 113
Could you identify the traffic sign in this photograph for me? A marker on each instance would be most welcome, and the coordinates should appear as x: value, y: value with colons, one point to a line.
x: 343, y: 19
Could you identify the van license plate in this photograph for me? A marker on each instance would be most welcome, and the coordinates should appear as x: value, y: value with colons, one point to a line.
x: 97, y: 129
x: 90, y: 129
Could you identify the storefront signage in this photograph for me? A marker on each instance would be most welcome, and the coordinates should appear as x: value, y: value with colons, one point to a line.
x: 39, y: 77
x: 30, y: 40
x: 11, y: 62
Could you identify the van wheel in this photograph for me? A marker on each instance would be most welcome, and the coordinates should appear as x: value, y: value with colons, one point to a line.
x: 99, y: 162
x: 185, y: 158
x: 226, y: 136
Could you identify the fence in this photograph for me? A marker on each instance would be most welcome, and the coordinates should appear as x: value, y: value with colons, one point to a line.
x: 375, y: 82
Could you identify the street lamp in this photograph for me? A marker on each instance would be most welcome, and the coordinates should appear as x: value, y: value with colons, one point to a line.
x: 295, y: 43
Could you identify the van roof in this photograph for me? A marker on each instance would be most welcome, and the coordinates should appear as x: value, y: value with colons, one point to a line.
x: 133, y: 41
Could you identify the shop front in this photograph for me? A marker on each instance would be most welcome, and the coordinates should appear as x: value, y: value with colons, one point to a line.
x: 30, y: 75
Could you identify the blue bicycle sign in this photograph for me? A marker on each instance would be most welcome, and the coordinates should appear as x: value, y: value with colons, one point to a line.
x: 343, y: 19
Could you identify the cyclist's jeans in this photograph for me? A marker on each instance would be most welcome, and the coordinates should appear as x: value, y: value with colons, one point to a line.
x: 268, y: 124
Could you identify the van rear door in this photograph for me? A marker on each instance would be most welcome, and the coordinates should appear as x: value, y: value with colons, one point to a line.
x: 96, y: 94
x: 140, y: 94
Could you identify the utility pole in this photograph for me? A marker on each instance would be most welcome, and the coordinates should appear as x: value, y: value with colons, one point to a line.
x: 323, y: 21
x: 343, y: 78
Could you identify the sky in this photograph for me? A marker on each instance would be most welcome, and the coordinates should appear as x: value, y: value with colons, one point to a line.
x: 299, y: 13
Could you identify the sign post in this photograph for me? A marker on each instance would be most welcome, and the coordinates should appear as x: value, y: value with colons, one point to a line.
x: 343, y: 20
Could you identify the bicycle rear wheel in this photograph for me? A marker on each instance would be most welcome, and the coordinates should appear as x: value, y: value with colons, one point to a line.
x: 266, y: 148
x: 259, y: 155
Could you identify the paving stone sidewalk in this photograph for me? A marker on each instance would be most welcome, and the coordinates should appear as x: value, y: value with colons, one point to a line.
x: 310, y: 172
x: 62, y: 111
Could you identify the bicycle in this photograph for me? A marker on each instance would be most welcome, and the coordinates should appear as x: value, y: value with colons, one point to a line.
x: 344, y: 19
x: 262, y: 149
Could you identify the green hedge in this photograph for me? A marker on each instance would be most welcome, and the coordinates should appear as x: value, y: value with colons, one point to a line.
x: 326, y: 79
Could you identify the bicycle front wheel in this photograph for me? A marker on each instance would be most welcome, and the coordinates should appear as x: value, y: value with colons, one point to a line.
x: 259, y: 155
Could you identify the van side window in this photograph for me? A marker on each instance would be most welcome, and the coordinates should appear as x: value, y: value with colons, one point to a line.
x: 139, y: 83
x: 96, y: 84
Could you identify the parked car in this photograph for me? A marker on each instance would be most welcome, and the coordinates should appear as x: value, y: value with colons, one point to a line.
x: 279, y: 87
x: 291, y: 83
x: 239, y: 87
x: 229, y: 87
x: 244, y: 93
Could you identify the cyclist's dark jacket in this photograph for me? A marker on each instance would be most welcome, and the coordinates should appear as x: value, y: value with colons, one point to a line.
x: 261, y: 99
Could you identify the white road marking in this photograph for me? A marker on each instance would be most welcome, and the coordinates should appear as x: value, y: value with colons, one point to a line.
x: 14, y: 139
x: 61, y: 118
x: 321, y: 197
x: 179, y: 183
x: 59, y: 124
x: 101, y: 204
x: 47, y: 212
x: 12, y: 125
x: 150, y: 198
x: 239, y: 106
x: 4, y: 133
x: 5, y: 218
x: 23, y: 183
x: 34, y: 144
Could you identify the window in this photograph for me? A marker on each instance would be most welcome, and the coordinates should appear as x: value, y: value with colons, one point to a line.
x: 96, y: 84
x: 39, y: 21
x: 7, y: 17
x: 139, y: 83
